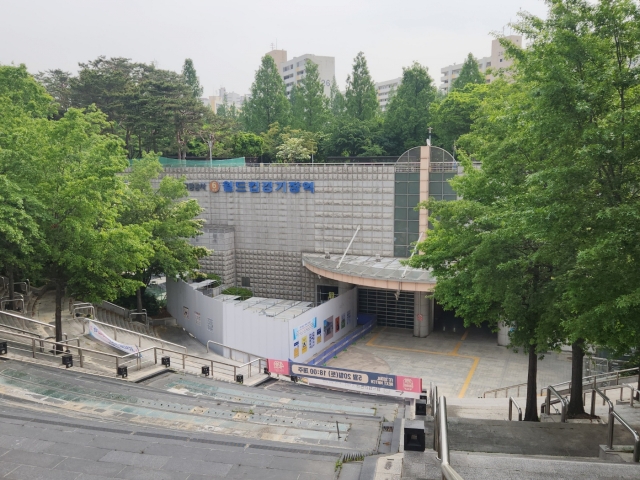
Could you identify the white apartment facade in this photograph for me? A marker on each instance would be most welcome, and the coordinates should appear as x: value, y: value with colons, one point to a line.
x: 384, y: 91
x: 293, y: 71
x: 495, y: 61
x: 231, y: 98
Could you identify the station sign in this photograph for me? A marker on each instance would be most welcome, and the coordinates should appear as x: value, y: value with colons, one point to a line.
x: 231, y: 186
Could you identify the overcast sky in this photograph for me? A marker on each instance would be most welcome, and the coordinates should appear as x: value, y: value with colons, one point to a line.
x: 227, y: 39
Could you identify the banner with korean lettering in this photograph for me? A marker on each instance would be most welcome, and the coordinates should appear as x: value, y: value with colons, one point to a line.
x: 384, y: 381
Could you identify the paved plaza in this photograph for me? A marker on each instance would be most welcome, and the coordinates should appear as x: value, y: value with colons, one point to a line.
x: 464, y: 364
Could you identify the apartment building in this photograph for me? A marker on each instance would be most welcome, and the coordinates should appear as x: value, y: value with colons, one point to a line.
x: 385, y: 89
x: 231, y: 98
x: 293, y: 71
x: 495, y: 61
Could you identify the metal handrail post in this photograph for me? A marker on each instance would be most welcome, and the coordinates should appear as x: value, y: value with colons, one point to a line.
x: 80, y: 355
x: 183, y: 362
x: 511, y: 403
x: 155, y: 355
x: 444, y: 439
x: 33, y: 347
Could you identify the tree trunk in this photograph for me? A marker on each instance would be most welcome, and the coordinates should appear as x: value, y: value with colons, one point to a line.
x: 139, y: 299
x: 531, y: 409
x: 58, y: 322
x: 576, y: 407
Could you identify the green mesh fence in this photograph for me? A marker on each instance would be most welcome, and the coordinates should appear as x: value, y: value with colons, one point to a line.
x: 174, y: 162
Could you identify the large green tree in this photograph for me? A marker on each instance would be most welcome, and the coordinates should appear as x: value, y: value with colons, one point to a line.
x: 78, y: 182
x: 582, y: 65
x: 360, y: 97
x: 169, y: 218
x: 24, y: 108
x: 488, y: 250
x: 337, y: 103
x: 454, y: 114
x: 268, y: 103
x: 191, y: 78
x: 58, y: 85
x: 469, y: 73
x: 407, y: 117
x: 314, y: 105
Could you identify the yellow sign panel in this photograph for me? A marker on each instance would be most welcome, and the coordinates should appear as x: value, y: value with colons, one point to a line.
x: 305, y: 343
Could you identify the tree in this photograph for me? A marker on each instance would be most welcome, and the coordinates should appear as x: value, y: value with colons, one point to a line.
x: 168, y: 217
x: 78, y: 184
x: 361, y: 98
x: 582, y: 62
x: 58, y: 84
x: 453, y: 116
x: 314, y: 105
x: 337, y: 103
x: 24, y: 107
x: 469, y: 73
x: 268, y: 102
x: 490, y: 251
x: 293, y: 150
x: 296, y: 107
x: 113, y: 86
x: 408, y: 116
x: 247, y: 144
x: 19, y: 232
x: 350, y: 137
x: 191, y: 78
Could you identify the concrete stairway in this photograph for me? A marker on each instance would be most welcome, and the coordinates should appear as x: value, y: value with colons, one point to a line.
x: 477, y: 466
x: 233, y: 410
x: 112, y: 318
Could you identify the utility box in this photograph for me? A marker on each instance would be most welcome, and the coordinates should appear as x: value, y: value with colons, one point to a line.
x: 414, y: 439
x: 166, y: 361
x: 240, y: 378
x: 205, y: 371
x: 421, y: 407
x: 67, y: 360
x: 3, y: 348
x: 122, y: 372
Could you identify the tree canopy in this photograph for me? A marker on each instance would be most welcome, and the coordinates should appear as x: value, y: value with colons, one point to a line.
x: 268, y: 102
x: 469, y: 73
x: 361, y: 100
x: 408, y: 116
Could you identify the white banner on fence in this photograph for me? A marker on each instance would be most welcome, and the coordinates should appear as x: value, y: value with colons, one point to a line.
x: 354, y: 387
x: 98, y: 334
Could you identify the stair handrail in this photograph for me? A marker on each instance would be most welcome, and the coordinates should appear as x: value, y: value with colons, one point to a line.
x: 136, y: 356
x: 155, y: 339
x: 32, y: 320
x: 506, y: 389
x: 598, y: 377
x: 448, y: 473
x: 512, y: 401
x: 563, y: 401
x: 613, y: 415
x: 231, y: 350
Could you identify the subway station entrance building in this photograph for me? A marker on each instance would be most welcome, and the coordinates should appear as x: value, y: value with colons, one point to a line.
x: 311, y: 232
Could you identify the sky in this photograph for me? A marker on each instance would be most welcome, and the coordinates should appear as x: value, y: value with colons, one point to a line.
x: 226, y: 40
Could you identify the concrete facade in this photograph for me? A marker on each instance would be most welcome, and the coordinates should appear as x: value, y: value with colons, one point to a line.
x: 307, y: 232
x: 385, y: 91
x: 230, y: 98
x: 293, y: 71
x: 261, y: 236
x: 496, y: 61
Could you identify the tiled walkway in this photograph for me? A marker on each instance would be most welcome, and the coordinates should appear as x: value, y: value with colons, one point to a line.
x: 463, y: 364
